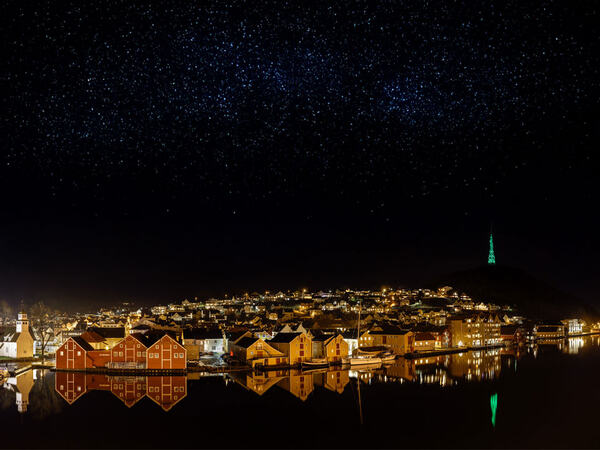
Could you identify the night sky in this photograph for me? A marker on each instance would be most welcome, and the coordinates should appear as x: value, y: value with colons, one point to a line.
x: 153, y: 151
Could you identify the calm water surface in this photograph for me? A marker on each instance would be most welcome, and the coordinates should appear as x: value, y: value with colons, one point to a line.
x: 543, y: 396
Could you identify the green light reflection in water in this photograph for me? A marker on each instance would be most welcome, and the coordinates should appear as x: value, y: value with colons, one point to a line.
x: 494, y: 406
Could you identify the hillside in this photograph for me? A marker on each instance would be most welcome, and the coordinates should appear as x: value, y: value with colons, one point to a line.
x: 510, y: 286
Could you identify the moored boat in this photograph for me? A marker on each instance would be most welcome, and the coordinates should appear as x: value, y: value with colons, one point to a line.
x: 316, y: 362
x: 363, y: 360
x: 388, y: 357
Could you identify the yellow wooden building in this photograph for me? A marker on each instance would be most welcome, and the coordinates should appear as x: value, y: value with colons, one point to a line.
x: 333, y: 347
x: 296, y: 346
x: 256, y: 352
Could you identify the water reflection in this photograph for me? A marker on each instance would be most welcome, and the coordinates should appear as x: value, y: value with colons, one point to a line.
x: 494, y: 407
x: 297, y: 382
x: 42, y: 393
x: 166, y: 391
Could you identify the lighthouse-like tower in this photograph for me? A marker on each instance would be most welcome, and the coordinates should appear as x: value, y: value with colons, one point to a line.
x: 491, y: 256
x: 22, y: 323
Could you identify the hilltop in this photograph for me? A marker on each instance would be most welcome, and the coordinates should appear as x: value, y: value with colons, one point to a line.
x: 511, y: 286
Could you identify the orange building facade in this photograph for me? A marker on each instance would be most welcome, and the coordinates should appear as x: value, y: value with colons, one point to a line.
x: 133, y: 352
x: 166, y: 353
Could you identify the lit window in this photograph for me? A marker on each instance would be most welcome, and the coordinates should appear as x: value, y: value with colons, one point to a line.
x: 62, y: 354
x: 78, y: 353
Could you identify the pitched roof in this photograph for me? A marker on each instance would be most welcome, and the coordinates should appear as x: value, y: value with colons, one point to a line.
x: 246, y: 342
x: 234, y: 335
x: 156, y: 335
x: 285, y: 338
x: 92, y: 337
x: 109, y: 332
x: 201, y: 333
x: 549, y: 329
x: 83, y: 343
x: 424, y: 336
x: 13, y: 337
x: 143, y: 338
x: 426, y: 327
x: 387, y: 330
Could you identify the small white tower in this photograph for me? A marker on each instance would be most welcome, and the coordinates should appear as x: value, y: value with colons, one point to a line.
x: 22, y: 323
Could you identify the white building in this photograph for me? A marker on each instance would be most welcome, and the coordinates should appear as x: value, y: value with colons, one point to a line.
x: 18, y: 343
x: 574, y: 326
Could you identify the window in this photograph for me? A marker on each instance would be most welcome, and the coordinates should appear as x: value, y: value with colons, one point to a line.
x: 139, y: 354
x: 156, y: 347
x: 62, y: 354
x: 176, y: 355
x: 120, y: 353
x: 181, y: 355
x: 78, y: 353
x: 120, y: 345
x: 138, y: 346
x: 156, y: 355
x: 174, y: 346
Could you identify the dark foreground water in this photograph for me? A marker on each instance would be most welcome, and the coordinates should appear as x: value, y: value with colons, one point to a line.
x: 543, y: 396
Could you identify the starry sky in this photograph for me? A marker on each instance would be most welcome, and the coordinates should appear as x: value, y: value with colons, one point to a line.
x: 154, y: 150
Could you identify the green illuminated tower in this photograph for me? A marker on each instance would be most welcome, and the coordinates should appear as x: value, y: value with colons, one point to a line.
x: 491, y: 257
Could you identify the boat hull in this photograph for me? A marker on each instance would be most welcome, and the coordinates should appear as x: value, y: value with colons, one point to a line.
x: 364, y: 361
x: 313, y: 364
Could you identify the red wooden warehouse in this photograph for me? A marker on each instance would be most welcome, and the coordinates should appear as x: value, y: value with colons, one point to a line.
x: 166, y: 353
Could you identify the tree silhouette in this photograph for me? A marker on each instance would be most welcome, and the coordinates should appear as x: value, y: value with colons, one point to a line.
x: 41, y: 319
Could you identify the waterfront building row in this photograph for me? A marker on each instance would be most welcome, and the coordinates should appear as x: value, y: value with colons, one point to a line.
x: 135, y: 351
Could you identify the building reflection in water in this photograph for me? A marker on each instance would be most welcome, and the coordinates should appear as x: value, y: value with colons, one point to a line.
x: 166, y: 391
x: 297, y: 382
x: 21, y: 385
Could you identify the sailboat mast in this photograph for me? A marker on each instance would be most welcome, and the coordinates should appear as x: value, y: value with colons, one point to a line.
x: 359, y: 399
x: 358, y: 327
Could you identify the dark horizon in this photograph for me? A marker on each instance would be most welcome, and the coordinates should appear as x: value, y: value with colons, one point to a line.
x: 155, y: 153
